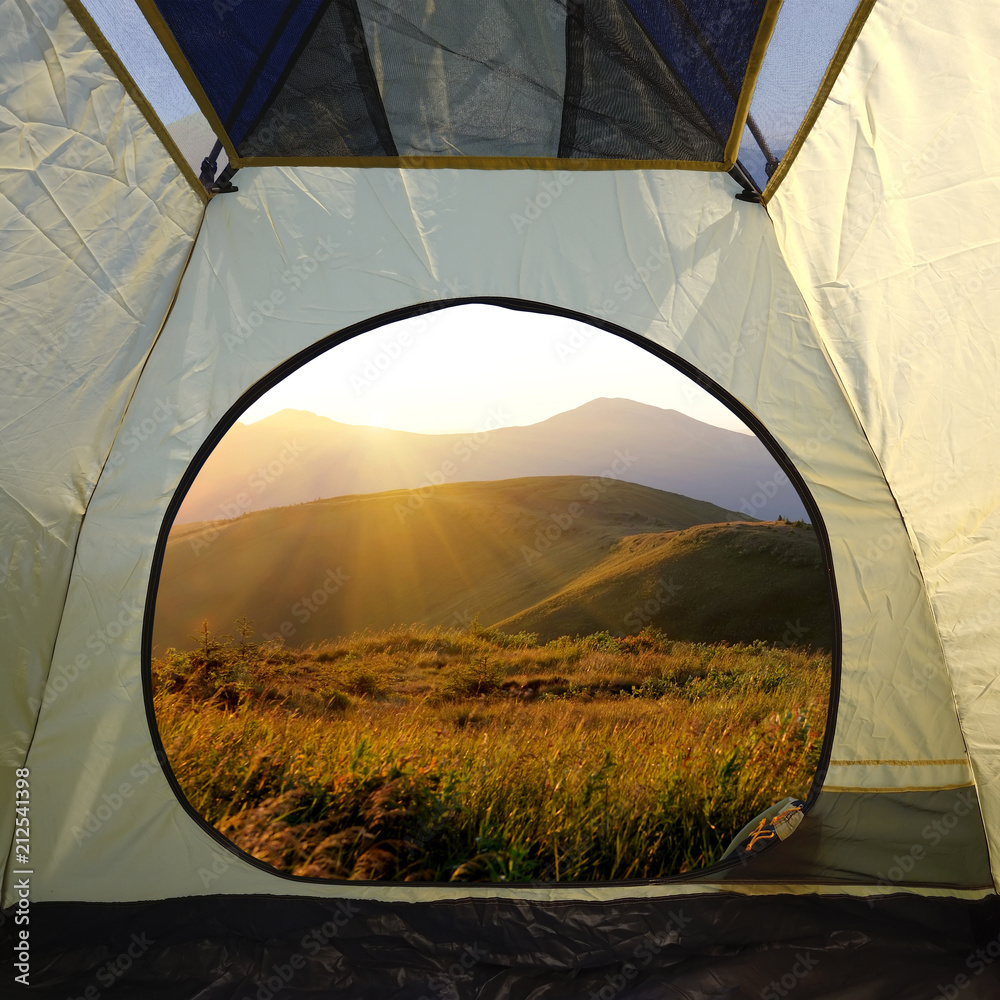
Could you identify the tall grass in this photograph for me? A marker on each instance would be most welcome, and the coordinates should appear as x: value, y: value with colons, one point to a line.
x: 419, y: 753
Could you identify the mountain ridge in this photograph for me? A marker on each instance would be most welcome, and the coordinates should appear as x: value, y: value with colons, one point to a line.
x: 295, y: 456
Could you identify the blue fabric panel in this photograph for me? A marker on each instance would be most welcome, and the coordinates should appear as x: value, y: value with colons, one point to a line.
x: 707, y: 44
x: 230, y: 48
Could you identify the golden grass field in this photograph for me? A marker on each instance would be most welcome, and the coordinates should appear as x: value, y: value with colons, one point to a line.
x: 420, y: 753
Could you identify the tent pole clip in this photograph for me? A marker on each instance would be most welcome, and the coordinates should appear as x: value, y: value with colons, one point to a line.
x: 209, y: 165
x: 225, y: 185
x: 750, y: 192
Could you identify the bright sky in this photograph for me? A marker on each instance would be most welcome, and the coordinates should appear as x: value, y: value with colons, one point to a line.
x: 805, y: 38
x: 469, y: 367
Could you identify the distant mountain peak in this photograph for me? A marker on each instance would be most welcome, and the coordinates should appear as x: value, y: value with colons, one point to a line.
x: 295, y: 455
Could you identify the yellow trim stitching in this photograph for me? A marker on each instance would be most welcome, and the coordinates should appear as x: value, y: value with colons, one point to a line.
x: 898, y: 763
x: 901, y: 788
x: 117, y: 67
x: 754, y: 63
x: 844, y: 47
x: 183, y: 67
x: 473, y: 163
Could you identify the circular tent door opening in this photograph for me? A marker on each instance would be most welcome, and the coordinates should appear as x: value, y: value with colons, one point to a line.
x: 490, y: 595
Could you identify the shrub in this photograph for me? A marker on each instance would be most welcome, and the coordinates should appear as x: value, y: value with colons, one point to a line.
x: 334, y: 700
x: 599, y: 642
x: 365, y: 683
x: 482, y: 676
x: 514, y: 640
x: 649, y: 639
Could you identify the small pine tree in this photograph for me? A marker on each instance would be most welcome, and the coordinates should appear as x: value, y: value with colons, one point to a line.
x: 245, y: 628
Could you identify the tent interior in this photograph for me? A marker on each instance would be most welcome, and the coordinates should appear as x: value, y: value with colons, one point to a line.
x: 795, y: 206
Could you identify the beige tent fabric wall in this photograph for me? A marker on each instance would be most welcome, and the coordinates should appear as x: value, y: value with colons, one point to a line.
x: 95, y: 224
x: 890, y: 220
x: 299, y: 253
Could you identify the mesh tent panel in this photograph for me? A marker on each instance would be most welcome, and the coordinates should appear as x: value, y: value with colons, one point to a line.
x: 707, y: 43
x: 621, y: 99
x: 805, y: 38
x: 475, y: 80
x: 327, y: 102
x: 238, y: 50
x: 522, y: 78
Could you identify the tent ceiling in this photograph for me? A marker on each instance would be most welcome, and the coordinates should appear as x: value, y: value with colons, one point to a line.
x: 591, y: 79
x: 628, y: 81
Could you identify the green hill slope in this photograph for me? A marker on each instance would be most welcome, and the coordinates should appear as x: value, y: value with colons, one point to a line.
x: 332, y: 567
x: 712, y: 583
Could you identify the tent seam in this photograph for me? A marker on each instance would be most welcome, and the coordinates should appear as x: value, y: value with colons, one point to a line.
x: 97, y: 480
x: 848, y: 42
x: 849, y: 400
x: 844, y: 48
x: 104, y: 48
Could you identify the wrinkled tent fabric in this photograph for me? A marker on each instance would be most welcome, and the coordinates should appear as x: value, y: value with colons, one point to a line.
x: 97, y: 223
x: 901, y: 278
x: 855, y: 322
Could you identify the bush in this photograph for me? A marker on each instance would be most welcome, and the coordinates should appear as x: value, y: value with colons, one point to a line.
x: 327, y: 655
x: 650, y: 639
x: 600, y: 642
x: 365, y: 683
x: 482, y: 676
x: 505, y: 640
x: 220, y: 666
x: 335, y: 701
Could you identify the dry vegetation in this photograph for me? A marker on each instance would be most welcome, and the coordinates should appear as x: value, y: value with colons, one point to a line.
x: 433, y: 754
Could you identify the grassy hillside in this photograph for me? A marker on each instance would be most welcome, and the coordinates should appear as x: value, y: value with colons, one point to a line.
x: 711, y: 583
x: 475, y: 755
x: 490, y: 549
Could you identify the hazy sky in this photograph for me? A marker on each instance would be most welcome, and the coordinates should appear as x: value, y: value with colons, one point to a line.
x: 469, y: 367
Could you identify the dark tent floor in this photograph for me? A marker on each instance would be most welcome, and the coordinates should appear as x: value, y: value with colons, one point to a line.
x: 709, y: 946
